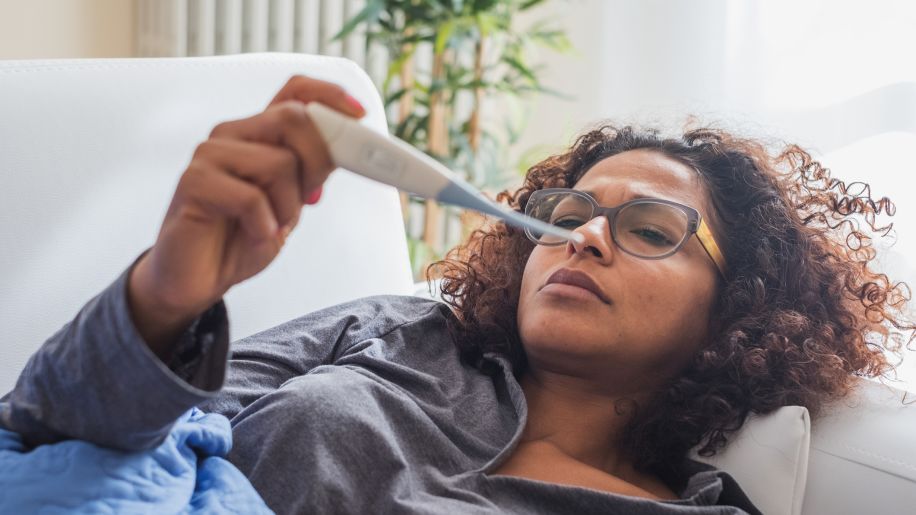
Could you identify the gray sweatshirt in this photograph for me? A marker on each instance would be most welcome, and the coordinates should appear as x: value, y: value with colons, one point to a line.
x: 363, y: 407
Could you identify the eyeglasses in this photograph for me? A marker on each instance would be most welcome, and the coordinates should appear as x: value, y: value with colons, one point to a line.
x: 646, y: 228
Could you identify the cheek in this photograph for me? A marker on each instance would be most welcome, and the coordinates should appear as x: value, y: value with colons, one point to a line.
x: 667, y: 311
x: 658, y: 296
x: 530, y: 319
x: 679, y: 317
x: 534, y: 269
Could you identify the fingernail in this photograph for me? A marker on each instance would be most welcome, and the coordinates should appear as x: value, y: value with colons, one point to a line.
x: 354, y: 105
x: 314, y: 196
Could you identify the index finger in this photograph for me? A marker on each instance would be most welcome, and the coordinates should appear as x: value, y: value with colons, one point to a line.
x: 306, y: 89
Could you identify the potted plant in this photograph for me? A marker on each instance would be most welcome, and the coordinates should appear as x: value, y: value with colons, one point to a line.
x: 451, y: 60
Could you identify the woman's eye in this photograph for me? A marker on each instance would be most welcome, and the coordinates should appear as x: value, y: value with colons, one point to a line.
x: 653, y: 236
x: 568, y: 223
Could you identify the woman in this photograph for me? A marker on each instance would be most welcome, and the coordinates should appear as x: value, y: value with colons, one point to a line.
x: 709, y: 283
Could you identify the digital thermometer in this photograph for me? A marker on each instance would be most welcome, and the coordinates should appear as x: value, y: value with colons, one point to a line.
x: 392, y: 161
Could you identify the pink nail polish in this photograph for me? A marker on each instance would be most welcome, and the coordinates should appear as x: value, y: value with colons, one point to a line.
x: 314, y: 196
x: 354, y: 105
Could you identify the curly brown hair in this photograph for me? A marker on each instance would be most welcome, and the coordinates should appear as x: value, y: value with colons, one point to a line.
x: 801, y: 312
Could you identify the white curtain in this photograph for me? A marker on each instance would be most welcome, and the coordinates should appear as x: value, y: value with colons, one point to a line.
x: 837, y: 77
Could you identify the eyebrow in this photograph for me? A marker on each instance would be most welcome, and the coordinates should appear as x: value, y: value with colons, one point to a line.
x: 633, y: 196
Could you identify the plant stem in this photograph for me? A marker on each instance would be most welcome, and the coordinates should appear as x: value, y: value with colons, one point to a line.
x: 474, y: 122
x: 471, y: 220
x: 438, y: 122
x: 437, y: 142
x: 405, y: 105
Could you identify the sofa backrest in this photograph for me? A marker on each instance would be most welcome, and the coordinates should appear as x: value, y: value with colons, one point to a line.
x: 90, y: 153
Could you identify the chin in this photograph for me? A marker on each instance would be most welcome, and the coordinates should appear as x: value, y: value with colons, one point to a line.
x: 558, y: 325
x: 559, y: 306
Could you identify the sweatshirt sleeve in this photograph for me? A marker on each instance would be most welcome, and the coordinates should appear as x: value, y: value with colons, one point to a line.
x: 97, y: 380
x: 262, y: 362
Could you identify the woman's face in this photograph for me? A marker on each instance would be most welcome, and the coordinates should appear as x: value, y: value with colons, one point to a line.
x: 654, y: 314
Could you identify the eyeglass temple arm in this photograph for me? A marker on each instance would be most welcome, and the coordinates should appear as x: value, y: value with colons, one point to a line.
x: 711, y: 247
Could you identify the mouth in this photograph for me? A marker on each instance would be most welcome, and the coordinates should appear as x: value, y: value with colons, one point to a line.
x: 573, y: 282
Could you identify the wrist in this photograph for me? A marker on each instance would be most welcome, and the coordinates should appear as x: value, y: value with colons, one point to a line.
x: 158, y: 321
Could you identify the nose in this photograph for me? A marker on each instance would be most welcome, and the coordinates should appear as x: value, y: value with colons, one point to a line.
x: 595, y: 242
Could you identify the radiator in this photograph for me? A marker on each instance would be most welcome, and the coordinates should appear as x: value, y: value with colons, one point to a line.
x: 178, y: 28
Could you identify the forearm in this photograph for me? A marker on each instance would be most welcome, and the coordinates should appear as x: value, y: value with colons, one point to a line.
x: 97, y: 380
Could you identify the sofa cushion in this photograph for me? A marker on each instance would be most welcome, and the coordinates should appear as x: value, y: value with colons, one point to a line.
x: 768, y: 457
x: 863, y: 454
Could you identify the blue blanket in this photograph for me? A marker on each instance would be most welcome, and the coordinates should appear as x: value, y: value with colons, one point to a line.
x: 186, y: 474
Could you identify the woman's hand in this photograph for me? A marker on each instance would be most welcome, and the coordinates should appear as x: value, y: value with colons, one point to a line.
x: 234, y: 206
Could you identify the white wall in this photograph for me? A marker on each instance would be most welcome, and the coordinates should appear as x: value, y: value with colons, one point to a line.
x: 43, y: 29
x: 775, y: 67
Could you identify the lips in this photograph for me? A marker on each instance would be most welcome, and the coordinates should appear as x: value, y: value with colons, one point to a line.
x: 579, y: 279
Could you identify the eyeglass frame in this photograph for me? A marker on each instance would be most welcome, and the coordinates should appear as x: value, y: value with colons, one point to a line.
x: 695, y: 224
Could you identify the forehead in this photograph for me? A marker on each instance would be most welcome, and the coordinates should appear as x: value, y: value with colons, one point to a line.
x: 644, y: 173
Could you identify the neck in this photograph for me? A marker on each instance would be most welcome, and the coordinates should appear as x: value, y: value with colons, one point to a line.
x: 577, y: 419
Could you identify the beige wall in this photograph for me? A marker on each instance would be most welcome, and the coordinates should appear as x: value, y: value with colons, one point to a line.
x: 36, y: 29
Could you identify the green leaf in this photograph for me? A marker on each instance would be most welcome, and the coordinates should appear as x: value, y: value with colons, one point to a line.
x: 387, y: 24
x: 368, y: 15
x: 443, y: 35
x: 483, y: 5
x: 394, y: 97
x: 487, y: 23
x: 519, y: 67
x: 554, y: 93
x: 554, y: 39
x: 529, y: 4
x: 394, y: 68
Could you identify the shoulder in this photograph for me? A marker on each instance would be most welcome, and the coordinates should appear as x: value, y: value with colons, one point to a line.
x: 407, y: 330
x: 398, y: 317
x: 336, y: 328
x: 387, y: 312
x: 372, y: 318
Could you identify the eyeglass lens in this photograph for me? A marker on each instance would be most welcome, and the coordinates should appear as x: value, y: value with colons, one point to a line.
x: 648, y: 229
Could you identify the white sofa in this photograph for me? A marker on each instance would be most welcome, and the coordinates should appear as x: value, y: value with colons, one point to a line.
x: 91, y: 150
